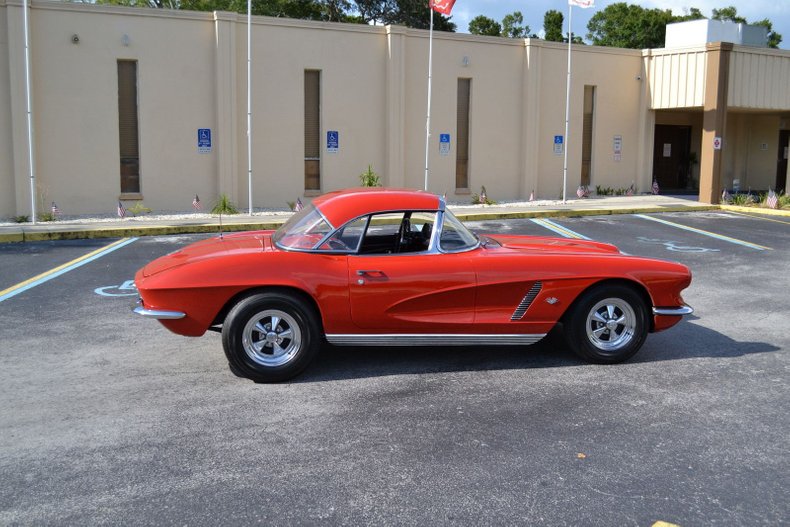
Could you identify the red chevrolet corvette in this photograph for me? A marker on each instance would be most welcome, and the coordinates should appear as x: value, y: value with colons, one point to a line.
x: 391, y: 267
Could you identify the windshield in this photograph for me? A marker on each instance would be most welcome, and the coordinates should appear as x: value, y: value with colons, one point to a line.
x: 455, y: 236
x: 304, y: 230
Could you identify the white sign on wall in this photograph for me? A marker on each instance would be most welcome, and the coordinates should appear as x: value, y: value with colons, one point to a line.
x: 717, y: 143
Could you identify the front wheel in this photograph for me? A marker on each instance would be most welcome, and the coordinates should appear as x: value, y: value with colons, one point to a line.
x: 607, y: 325
x: 270, y: 337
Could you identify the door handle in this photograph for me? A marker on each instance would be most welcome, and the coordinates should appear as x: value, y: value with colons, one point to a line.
x: 363, y: 272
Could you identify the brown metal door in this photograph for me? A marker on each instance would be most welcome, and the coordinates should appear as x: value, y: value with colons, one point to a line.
x: 671, y: 155
x: 781, y: 165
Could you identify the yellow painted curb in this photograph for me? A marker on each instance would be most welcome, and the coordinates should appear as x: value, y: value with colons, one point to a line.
x: 756, y: 210
x: 12, y: 238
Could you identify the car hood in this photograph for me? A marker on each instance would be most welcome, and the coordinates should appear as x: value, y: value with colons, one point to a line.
x: 552, y: 245
x: 225, y: 245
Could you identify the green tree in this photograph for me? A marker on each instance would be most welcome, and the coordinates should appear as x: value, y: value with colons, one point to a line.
x: 691, y: 14
x: 629, y: 26
x: 513, y: 26
x: 774, y: 38
x: 552, y: 25
x: 728, y: 13
x: 482, y: 25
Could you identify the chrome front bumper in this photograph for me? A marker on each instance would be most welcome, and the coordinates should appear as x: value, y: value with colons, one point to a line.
x: 673, y: 311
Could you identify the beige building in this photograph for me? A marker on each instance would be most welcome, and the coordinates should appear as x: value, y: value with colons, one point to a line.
x: 122, y: 100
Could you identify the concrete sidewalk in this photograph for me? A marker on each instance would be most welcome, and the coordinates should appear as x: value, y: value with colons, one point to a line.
x: 146, y: 226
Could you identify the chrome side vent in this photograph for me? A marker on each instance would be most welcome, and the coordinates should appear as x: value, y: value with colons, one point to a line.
x: 526, y: 301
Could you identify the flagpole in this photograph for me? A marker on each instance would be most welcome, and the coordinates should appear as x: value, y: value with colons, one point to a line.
x: 428, y: 117
x: 29, y: 110
x: 567, y: 106
x: 249, y: 105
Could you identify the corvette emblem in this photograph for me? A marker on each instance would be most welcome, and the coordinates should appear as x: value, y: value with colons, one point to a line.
x: 551, y: 300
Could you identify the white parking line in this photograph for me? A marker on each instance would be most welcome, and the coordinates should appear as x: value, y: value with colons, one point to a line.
x: 559, y: 229
x: 46, y: 276
x: 705, y: 233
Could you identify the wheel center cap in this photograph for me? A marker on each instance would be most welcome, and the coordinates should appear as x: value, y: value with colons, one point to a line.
x: 271, y: 337
x: 611, y: 325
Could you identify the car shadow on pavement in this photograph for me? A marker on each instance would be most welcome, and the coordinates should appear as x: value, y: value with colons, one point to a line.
x: 685, y: 341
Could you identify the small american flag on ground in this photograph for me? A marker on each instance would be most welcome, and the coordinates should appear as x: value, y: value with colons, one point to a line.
x: 196, y: 203
x: 580, y: 191
x: 483, y: 197
x: 55, y: 209
x: 121, y: 210
x: 298, y: 205
x: 655, y: 187
x: 630, y: 191
x: 532, y: 196
x: 772, y: 201
x: 725, y: 196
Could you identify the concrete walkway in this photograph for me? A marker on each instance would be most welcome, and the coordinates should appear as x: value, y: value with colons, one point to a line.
x: 181, y: 224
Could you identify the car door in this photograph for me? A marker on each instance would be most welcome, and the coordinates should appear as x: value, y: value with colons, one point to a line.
x: 397, y: 291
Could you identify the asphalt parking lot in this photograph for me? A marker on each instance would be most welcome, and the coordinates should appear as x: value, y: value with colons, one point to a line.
x: 107, y: 418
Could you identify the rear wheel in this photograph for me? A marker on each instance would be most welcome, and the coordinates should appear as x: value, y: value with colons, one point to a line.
x: 608, y: 324
x: 270, y: 337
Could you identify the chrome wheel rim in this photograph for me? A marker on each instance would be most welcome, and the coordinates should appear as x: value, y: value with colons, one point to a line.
x: 611, y: 324
x: 272, y: 338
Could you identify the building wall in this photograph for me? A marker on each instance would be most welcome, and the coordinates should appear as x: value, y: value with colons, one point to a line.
x: 192, y: 73
x: 751, y: 151
x: 676, y: 77
x: 7, y: 184
x: 759, y: 78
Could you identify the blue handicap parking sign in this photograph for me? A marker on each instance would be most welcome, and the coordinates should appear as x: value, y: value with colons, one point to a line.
x: 204, y: 140
x: 557, y: 139
x: 332, y: 141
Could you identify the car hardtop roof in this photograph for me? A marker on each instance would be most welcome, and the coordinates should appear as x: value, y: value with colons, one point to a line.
x: 341, y: 206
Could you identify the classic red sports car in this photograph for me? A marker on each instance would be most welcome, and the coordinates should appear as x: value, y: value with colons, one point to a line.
x: 391, y: 267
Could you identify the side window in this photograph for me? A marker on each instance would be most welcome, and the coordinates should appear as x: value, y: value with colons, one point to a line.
x: 381, y: 236
x: 402, y: 232
x: 455, y: 237
x: 347, y: 237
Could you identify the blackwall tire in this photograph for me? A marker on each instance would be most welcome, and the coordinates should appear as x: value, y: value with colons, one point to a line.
x: 270, y: 337
x: 608, y: 324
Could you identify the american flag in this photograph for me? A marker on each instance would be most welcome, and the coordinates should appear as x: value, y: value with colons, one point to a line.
x: 483, y: 197
x: 725, y: 196
x: 196, y: 203
x: 655, y: 187
x: 298, y: 205
x: 772, y: 201
x: 580, y: 191
x: 121, y: 210
x: 532, y: 196
x: 630, y: 191
x: 55, y: 209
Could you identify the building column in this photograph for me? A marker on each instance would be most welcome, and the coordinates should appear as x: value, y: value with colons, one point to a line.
x: 395, y: 106
x: 717, y: 72
x: 20, y: 168
x: 531, y: 138
x: 227, y: 146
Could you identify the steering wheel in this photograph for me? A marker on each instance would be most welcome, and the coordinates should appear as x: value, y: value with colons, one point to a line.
x: 336, y: 244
